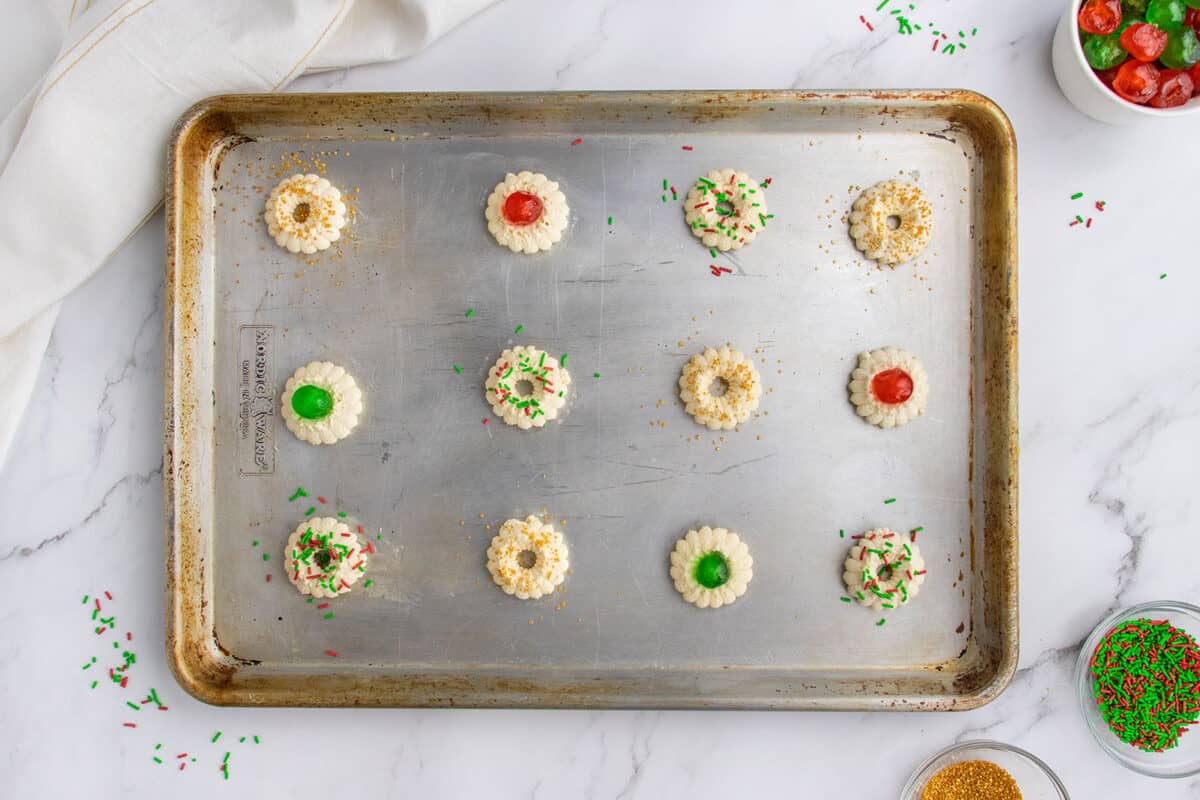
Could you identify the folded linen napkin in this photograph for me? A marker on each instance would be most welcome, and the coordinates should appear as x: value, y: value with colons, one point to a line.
x: 82, y: 153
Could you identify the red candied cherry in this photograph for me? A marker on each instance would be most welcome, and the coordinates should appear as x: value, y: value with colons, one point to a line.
x: 1100, y: 17
x: 1144, y: 41
x: 1108, y: 76
x: 522, y: 208
x: 1136, y: 81
x: 1196, y: 75
x: 1174, y: 90
x: 892, y: 386
x: 1192, y: 18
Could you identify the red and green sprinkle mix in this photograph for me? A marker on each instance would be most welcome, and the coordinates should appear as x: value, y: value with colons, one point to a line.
x: 1146, y: 680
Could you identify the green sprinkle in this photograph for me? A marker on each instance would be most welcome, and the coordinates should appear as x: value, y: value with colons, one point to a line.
x: 846, y: 600
x: 610, y: 220
x: 664, y: 198
x: 367, y: 583
x: 917, y: 530
x: 298, y: 493
x: 712, y: 251
x: 842, y: 534
x: 254, y: 543
x: 158, y: 746
x: 89, y: 664
x: 974, y: 31
x: 329, y: 615
x: 342, y: 514
x: 664, y: 184
x: 256, y: 740
x: 1160, y: 277
x: 881, y: 5
x: 310, y: 511
x: 562, y: 362
x: 226, y: 758
x: 85, y: 599
x: 595, y: 374
x: 1078, y: 218
x: 134, y: 706
x: 242, y: 740
x: 470, y: 312
x: 458, y: 369
x: 889, y: 501
x: 216, y: 736
x: 519, y: 329
x: 157, y: 760
x: 266, y: 556
x: 881, y: 622
x: 94, y: 682
x: 1077, y: 195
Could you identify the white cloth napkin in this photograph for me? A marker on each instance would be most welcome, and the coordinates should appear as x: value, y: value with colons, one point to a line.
x: 82, y: 154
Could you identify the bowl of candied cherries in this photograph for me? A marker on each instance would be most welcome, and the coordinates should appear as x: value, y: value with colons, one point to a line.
x: 1122, y: 60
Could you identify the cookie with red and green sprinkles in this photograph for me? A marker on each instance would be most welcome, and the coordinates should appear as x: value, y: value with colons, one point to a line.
x: 527, y: 387
x: 324, y: 558
x: 883, y: 569
x: 726, y: 209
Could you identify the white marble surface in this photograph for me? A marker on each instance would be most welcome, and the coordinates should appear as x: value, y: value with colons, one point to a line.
x: 1110, y: 419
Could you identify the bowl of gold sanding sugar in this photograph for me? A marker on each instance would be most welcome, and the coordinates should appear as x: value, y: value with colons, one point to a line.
x: 982, y: 770
x: 1138, y: 678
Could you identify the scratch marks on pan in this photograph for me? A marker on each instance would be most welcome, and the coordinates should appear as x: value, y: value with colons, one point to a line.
x: 603, y: 258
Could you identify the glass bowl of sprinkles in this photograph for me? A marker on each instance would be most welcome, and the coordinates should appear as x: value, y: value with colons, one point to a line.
x: 983, y: 770
x: 1138, y: 679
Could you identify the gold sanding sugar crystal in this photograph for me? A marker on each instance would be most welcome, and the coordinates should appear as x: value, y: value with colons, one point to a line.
x: 971, y: 780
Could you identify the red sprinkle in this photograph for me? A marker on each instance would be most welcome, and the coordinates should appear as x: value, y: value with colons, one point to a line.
x: 129, y: 724
x: 106, y: 594
x: 128, y: 636
x: 182, y: 764
x: 360, y: 528
x: 97, y: 603
x: 688, y: 147
x: 331, y: 653
x: 485, y: 421
x: 1074, y: 222
x: 1089, y: 223
x: 577, y: 141
x: 268, y: 577
x: 321, y: 500
x: 124, y: 681
x: 935, y: 44
x: 100, y: 630
x: 864, y: 22
x: 323, y: 605
x: 182, y: 755
x: 1099, y: 205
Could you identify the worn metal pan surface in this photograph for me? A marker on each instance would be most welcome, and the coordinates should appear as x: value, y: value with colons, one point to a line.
x: 629, y: 295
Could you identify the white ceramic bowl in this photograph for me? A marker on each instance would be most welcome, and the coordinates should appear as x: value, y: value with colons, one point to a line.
x: 1086, y: 91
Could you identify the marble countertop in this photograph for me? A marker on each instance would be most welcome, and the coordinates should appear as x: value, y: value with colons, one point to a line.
x: 1109, y: 462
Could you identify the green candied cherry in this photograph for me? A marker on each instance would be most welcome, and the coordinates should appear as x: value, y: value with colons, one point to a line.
x: 711, y: 570
x: 1129, y: 21
x: 1192, y: 3
x: 312, y: 402
x: 1104, y: 52
x: 1183, y: 49
x: 1166, y: 14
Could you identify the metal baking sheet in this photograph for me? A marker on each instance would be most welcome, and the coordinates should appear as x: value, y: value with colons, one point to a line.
x: 629, y: 295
